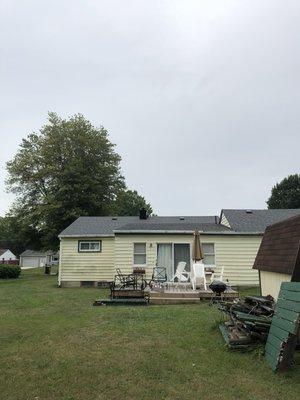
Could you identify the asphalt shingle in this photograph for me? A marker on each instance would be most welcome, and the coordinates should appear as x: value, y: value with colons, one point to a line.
x: 256, y: 220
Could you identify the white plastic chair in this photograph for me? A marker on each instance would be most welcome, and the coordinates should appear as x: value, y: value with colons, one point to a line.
x: 181, y: 274
x: 218, y: 276
x: 198, y: 272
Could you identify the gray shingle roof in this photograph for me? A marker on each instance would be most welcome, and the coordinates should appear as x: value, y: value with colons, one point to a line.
x: 146, y: 226
x: 105, y: 226
x: 89, y: 226
x: 33, y: 253
x: 241, y: 222
x: 256, y: 220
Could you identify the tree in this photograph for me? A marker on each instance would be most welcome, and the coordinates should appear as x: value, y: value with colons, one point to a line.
x: 68, y: 169
x: 16, y: 236
x: 286, y: 194
x: 129, y: 202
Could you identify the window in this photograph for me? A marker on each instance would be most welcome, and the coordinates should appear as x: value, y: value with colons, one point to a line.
x: 208, y: 253
x: 87, y: 246
x: 139, y: 253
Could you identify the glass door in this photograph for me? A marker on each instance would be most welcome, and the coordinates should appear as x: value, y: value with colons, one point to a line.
x: 182, y: 253
x: 164, y: 258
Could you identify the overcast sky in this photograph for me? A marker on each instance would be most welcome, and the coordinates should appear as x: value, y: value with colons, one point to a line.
x: 202, y: 98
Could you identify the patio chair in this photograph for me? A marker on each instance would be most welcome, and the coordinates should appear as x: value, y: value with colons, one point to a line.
x: 159, y: 275
x: 125, y: 280
x: 218, y: 276
x: 181, y: 274
x: 198, y: 273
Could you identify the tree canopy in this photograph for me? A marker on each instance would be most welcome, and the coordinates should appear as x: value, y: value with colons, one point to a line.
x: 286, y: 194
x: 66, y: 170
x: 129, y: 202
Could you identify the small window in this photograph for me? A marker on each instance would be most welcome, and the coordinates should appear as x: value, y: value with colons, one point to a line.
x: 87, y: 246
x: 208, y: 253
x: 139, y: 253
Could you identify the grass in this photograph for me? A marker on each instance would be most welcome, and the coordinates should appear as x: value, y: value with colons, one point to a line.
x: 55, y: 345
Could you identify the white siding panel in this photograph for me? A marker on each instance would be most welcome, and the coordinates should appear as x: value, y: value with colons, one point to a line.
x: 235, y: 252
x: 271, y: 282
x: 89, y: 266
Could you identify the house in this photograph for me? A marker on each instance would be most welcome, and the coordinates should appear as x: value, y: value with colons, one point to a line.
x: 278, y: 257
x: 34, y: 259
x: 7, y: 255
x: 91, y: 248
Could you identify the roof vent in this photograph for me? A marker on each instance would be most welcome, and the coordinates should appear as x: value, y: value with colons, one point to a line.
x: 114, y: 218
x: 182, y: 218
x: 249, y: 211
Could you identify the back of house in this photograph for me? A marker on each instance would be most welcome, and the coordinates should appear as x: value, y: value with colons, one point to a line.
x: 91, y: 248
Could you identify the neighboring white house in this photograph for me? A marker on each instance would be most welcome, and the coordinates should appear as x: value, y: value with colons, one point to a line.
x: 34, y: 259
x: 91, y: 248
x: 7, y: 255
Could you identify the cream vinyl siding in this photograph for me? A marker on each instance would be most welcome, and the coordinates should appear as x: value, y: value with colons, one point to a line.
x: 235, y: 252
x: 271, y: 282
x: 86, y: 266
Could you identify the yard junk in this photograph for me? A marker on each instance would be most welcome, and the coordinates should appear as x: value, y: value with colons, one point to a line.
x: 126, y: 289
x: 249, y: 321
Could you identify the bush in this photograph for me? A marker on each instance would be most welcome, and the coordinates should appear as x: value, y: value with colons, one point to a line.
x: 9, y: 271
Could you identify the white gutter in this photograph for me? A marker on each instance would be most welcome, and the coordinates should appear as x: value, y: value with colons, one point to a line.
x: 187, y: 232
x: 99, y: 235
x: 86, y: 235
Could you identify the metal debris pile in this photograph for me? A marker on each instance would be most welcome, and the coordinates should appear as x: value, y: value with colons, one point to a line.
x: 249, y: 321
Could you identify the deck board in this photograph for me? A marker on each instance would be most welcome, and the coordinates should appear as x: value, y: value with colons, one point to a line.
x: 185, y: 295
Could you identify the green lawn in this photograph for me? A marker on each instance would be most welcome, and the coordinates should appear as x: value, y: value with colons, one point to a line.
x: 55, y: 345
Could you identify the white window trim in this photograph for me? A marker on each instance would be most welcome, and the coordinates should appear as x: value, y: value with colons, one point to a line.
x: 139, y: 254
x: 89, y: 250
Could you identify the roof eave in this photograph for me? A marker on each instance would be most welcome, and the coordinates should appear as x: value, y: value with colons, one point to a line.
x: 135, y: 231
x: 86, y: 235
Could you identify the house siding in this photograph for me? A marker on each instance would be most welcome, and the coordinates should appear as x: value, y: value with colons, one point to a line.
x: 76, y: 267
x: 271, y: 282
x: 235, y: 252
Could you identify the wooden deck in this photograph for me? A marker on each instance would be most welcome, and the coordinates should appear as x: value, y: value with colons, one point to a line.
x: 185, y: 295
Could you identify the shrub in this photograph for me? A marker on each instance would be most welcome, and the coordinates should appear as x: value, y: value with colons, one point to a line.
x: 9, y: 271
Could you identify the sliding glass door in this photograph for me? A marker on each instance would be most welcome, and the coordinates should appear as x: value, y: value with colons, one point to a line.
x: 170, y: 254
x: 165, y: 258
x: 182, y: 253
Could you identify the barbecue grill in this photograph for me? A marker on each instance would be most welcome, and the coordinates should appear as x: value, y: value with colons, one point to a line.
x: 218, y: 287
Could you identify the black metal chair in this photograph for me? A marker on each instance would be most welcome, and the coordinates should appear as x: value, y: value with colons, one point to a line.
x: 159, y: 275
x: 124, y: 280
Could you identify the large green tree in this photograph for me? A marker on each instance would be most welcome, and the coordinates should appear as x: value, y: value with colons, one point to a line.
x: 286, y: 194
x: 129, y: 202
x: 66, y: 170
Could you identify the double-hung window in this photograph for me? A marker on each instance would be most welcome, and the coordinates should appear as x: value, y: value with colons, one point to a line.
x: 89, y: 246
x: 139, y: 253
x: 208, y: 253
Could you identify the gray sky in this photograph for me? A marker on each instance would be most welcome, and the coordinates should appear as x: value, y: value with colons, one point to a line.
x: 201, y: 97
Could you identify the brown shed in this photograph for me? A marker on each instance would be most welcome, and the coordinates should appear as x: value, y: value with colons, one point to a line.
x: 278, y: 257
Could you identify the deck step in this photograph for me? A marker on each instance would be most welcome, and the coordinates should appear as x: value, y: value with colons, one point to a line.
x: 121, y: 302
x: 172, y: 300
x: 179, y: 295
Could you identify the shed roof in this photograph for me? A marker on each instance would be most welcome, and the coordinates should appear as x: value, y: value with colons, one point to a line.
x: 249, y: 220
x: 280, y: 248
x: 36, y: 253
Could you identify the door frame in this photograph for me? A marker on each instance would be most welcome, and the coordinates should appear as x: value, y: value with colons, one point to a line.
x: 173, y: 258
